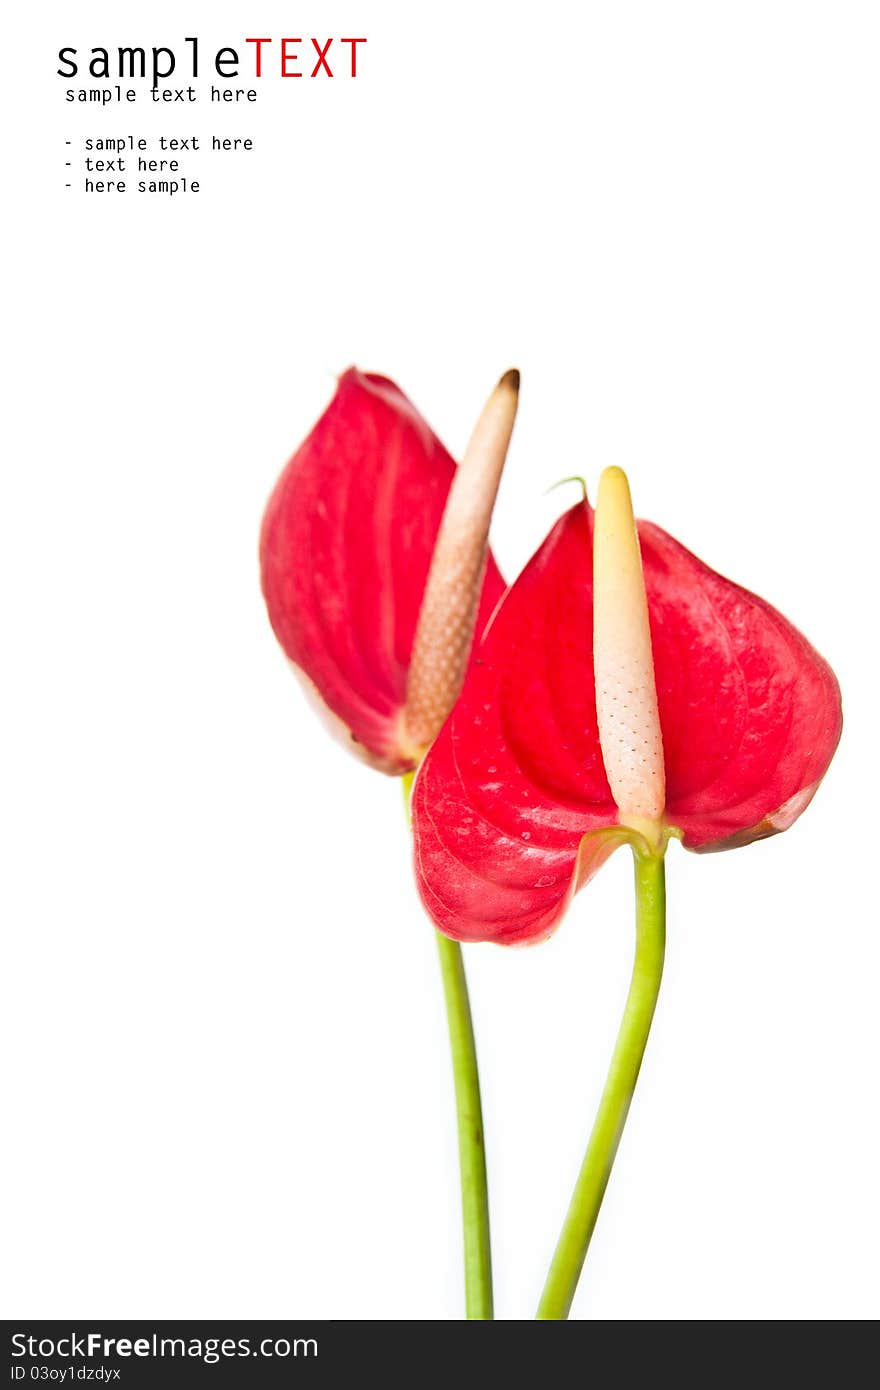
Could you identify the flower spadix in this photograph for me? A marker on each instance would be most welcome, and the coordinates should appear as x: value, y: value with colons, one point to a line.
x: 624, y: 691
x: 627, y: 715
x: 375, y: 564
x: 448, y: 611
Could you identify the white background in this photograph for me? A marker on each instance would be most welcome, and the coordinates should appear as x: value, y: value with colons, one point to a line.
x: 226, y: 1083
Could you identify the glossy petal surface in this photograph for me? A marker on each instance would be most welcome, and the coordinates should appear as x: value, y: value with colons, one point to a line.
x: 750, y: 716
x: 345, y: 549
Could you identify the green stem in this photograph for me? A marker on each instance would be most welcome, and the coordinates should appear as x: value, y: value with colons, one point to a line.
x: 471, y: 1150
x: 580, y: 1220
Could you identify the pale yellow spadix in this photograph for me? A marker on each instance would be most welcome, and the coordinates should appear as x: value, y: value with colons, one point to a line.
x: 626, y: 693
x: 448, y: 612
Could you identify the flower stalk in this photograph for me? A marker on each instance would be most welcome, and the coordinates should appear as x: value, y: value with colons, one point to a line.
x: 583, y: 1211
x: 469, y: 1116
x: 471, y: 1148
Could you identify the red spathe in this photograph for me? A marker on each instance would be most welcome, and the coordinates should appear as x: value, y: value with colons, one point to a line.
x: 345, y: 549
x: 750, y: 715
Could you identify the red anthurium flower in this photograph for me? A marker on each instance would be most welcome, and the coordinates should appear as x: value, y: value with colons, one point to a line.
x: 362, y: 514
x: 708, y: 717
x: 377, y: 574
